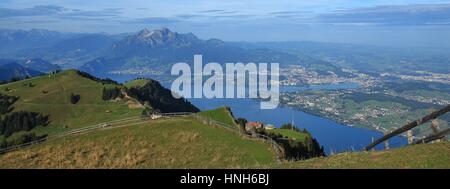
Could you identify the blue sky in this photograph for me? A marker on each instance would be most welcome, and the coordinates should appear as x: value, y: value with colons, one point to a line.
x: 377, y: 22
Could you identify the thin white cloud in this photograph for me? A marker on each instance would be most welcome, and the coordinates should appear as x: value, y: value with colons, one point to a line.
x: 419, y: 14
x: 33, y: 11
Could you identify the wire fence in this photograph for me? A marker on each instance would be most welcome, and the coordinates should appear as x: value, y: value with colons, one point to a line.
x: 111, y: 124
x: 142, y: 119
x: 135, y: 120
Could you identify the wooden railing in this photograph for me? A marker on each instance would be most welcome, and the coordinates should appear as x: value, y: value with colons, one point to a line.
x: 412, y: 125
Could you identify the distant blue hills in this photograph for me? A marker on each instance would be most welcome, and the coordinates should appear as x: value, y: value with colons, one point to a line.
x: 156, y: 50
x: 144, y: 50
x: 19, y: 69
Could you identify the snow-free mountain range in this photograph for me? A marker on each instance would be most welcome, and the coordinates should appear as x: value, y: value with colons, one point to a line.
x: 144, y: 52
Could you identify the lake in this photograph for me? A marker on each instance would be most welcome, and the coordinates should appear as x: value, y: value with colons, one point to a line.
x: 335, y: 137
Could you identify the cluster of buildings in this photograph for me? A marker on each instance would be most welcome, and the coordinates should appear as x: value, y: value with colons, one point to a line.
x: 252, y: 125
x: 298, y: 75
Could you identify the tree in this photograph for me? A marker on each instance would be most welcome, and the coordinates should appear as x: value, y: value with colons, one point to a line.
x: 6, y: 102
x: 3, y: 143
x: 23, y: 137
x: 21, y: 121
x: 241, y: 122
x: 74, y: 98
x: 289, y: 126
x: 14, y: 79
x: 295, y: 149
x: 160, y: 98
x: 112, y: 93
x: 306, y: 131
x: 104, y: 96
x: 103, y: 81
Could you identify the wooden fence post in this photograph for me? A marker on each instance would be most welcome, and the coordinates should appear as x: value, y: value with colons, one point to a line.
x: 373, y: 139
x: 410, y: 126
x: 409, y: 134
x: 386, y: 142
x: 435, y: 127
x: 433, y: 137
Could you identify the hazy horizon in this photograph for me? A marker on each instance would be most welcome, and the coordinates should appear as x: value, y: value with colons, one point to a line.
x: 378, y: 22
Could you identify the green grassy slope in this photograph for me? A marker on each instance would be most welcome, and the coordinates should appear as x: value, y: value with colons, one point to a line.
x: 50, y: 95
x: 186, y: 143
x: 135, y: 83
x: 415, y: 156
x: 290, y: 134
x: 220, y: 114
x: 165, y: 143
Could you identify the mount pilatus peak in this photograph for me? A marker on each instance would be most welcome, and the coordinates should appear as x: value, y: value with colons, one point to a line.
x: 160, y: 38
